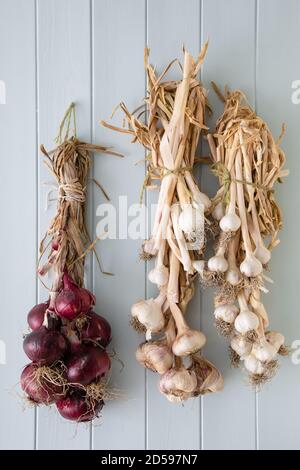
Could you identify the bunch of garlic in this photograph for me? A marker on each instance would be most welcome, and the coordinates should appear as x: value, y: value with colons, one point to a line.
x: 248, y: 162
x: 175, y: 118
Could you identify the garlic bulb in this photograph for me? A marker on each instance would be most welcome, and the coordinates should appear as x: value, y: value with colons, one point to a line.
x: 218, y: 264
x: 149, y: 313
x: 155, y: 355
x: 178, y: 384
x: 264, y: 351
x: 188, y: 342
x: 275, y: 339
x: 262, y: 254
x: 246, y: 321
x: 226, y: 312
x: 233, y: 276
x: 241, y: 346
x: 199, y: 266
x: 218, y: 211
x: 253, y: 365
x: 230, y: 222
x: 191, y: 221
x: 251, y: 266
x: 159, y: 275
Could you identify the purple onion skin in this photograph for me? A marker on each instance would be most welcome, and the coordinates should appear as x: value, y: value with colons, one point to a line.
x: 89, y: 364
x: 44, y: 392
x: 97, y: 329
x: 44, y: 346
x: 36, y: 315
x: 78, y: 408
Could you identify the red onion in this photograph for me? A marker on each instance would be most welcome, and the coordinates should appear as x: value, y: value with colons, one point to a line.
x: 36, y: 315
x: 73, y: 300
x: 96, y: 328
x: 89, y: 364
x: 44, y: 346
x: 39, y: 389
x: 78, y: 408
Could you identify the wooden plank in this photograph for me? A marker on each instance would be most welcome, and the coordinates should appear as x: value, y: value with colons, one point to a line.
x: 119, y: 35
x: 63, y: 76
x: 172, y: 24
x: 18, y: 212
x: 228, y: 417
x: 277, y: 68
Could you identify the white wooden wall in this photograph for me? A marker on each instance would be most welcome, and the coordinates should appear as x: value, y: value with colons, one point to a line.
x: 91, y: 51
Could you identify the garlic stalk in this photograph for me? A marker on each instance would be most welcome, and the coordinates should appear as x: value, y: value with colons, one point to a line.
x: 159, y: 275
x: 233, y: 274
x: 251, y: 266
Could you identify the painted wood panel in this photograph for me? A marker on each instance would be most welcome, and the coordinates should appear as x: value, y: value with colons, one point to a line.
x: 64, y: 75
x: 118, y: 53
x: 18, y: 212
x: 170, y: 25
x: 91, y: 51
x: 277, y: 68
x: 230, y: 27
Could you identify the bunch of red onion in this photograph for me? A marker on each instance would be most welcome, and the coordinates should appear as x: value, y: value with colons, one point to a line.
x: 67, y: 347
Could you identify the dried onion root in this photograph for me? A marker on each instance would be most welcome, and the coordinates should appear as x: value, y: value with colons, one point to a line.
x: 248, y: 162
x: 175, y: 118
x: 68, y: 340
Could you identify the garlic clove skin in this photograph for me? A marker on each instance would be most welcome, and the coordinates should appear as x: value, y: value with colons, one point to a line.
x: 230, y: 223
x: 246, y: 321
x: 241, y: 346
x: 251, y: 266
x: 155, y: 356
x: 188, y: 342
x: 178, y: 384
x: 218, y: 211
x: 199, y: 266
x: 233, y: 277
x: 159, y: 275
x: 264, y: 351
x: 218, y: 264
x: 227, y: 313
x: 275, y: 339
x: 253, y: 365
x: 149, y: 313
x: 262, y: 254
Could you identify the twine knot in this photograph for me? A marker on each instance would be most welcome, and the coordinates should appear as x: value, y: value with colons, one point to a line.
x: 72, y: 191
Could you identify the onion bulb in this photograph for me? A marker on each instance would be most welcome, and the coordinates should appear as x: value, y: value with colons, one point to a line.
x: 44, y: 346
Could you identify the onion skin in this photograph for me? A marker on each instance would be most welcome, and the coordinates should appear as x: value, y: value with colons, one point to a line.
x: 97, y: 329
x: 45, y: 346
x: 77, y: 408
x: 36, y: 315
x: 89, y: 364
x: 39, y: 391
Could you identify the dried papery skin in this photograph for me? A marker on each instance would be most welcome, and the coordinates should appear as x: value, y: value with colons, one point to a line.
x: 209, y: 379
x: 246, y: 321
x: 253, y: 365
x: 178, y: 384
x: 188, y: 342
x: 155, y: 355
x: 264, y: 351
x: 76, y: 407
x: 241, y: 345
x: 43, y: 384
x: 149, y: 313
